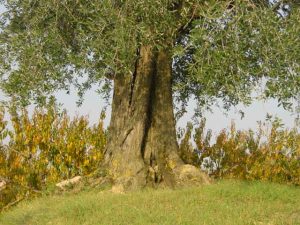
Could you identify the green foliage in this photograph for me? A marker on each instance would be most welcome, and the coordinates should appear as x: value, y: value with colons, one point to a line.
x: 49, y: 45
x: 46, y: 148
x: 272, y: 154
x: 222, y: 49
x: 233, y: 51
x: 186, y: 151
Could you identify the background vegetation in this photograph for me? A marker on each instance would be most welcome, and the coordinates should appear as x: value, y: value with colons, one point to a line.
x: 40, y: 150
x: 272, y: 153
x: 45, y: 148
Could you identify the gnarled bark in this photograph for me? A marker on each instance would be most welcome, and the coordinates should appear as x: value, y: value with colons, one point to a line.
x: 142, y: 147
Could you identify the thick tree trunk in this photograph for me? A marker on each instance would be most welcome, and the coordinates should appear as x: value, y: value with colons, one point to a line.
x: 142, y: 147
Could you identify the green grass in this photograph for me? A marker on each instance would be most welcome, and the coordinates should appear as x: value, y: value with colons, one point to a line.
x: 226, y: 202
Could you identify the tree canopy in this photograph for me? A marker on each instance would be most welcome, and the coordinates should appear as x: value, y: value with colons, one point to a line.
x: 221, y: 49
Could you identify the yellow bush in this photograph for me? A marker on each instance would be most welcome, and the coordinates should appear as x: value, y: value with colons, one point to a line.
x: 45, y: 148
x: 49, y: 146
x: 271, y: 154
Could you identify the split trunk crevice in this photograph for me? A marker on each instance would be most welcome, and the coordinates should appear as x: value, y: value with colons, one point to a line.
x: 142, y: 148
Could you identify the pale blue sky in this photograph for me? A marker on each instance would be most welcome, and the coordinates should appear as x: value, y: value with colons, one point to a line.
x: 216, y: 121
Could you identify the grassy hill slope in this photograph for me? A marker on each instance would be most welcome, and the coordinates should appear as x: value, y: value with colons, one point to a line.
x: 226, y: 202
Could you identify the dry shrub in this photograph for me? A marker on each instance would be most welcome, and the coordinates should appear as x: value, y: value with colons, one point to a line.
x: 45, y: 148
x: 270, y: 154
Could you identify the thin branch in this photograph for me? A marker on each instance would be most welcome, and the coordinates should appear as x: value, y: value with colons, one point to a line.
x: 12, y: 204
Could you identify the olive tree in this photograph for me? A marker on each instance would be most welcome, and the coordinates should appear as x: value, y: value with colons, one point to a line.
x: 151, y: 53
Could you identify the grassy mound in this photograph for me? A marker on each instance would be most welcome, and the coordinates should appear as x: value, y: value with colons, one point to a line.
x: 226, y: 202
